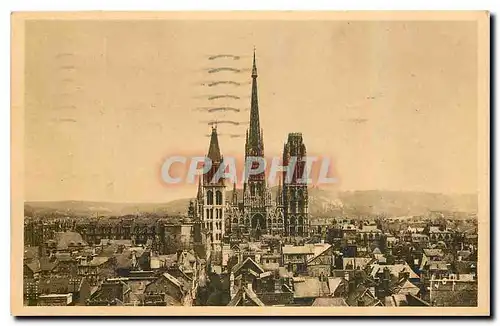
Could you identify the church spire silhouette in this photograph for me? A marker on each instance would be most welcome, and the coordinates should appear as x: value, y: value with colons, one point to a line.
x: 255, y: 142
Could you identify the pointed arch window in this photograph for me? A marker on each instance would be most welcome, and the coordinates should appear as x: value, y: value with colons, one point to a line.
x: 210, y: 197
x: 218, y: 197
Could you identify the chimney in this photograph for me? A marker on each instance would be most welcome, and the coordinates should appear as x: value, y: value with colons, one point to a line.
x: 387, y: 273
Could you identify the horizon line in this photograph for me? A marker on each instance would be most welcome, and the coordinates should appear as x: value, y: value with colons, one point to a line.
x: 230, y: 190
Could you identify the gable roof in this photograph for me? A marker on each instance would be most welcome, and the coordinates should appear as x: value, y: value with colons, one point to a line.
x: 44, y: 264
x: 247, y: 261
x: 33, y: 266
x: 319, y: 249
x: 363, y: 295
x: 394, y: 270
x: 406, y: 287
x: 334, y: 282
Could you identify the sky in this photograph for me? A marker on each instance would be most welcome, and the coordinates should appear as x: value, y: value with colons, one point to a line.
x: 393, y: 104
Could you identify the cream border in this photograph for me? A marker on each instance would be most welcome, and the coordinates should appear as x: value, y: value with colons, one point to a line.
x: 17, y: 176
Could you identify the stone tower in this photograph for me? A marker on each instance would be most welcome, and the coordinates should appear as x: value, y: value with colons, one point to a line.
x: 212, y: 192
x: 295, y: 195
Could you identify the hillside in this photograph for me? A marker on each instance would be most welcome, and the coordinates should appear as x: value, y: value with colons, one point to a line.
x: 322, y: 202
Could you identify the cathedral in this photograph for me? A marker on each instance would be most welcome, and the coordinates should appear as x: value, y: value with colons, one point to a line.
x: 258, y: 212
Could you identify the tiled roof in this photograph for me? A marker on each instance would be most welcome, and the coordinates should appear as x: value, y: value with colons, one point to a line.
x: 296, y: 250
x: 406, y: 287
x: 394, y: 270
x: 362, y: 295
x: 309, y: 287
x: 59, y: 285
x: 250, y: 261
x: 66, y: 239
x: 47, y: 264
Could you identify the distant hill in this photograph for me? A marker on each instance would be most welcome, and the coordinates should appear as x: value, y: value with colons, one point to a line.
x: 321, y: 202
x: 406, y: 203
x: 88, y: 208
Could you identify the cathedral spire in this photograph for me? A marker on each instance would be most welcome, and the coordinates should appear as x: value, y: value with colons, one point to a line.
x: 213, y: 149
x: 254, y: 67
x: 254, y: 140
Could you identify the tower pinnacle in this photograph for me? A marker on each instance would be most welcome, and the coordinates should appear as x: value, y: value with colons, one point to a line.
x: 213, y: 149
x: 254, y: 67
x: 254, y: 146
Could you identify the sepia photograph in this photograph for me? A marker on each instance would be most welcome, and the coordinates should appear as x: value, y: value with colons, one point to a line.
x: 250, y: 163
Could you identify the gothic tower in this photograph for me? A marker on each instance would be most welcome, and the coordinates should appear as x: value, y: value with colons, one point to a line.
x: 256, y: 197
x: 213, y: 193
x: 295, y: 195
x: 254, y: 141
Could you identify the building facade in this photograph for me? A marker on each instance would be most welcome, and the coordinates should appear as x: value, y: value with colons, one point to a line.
x: 258, y: 212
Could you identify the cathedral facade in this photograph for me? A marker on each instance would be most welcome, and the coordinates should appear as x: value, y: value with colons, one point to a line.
x: 258, y: 210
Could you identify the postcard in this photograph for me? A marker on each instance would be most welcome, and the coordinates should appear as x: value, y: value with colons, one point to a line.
x: 250, y: 163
